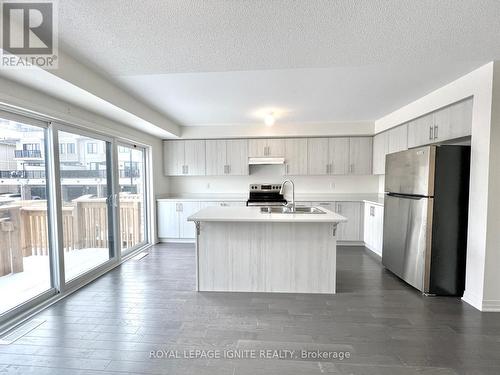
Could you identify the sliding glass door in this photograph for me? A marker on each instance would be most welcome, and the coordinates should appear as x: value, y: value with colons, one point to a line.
x: 132, y: 197
x: 72, y: 202
x: 25, y: 251
x: 85, y: 168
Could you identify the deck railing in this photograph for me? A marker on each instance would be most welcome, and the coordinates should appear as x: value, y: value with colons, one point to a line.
x: 24, y: 228
x: 25, y: 175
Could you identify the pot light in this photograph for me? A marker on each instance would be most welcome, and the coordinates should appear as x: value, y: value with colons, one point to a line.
x: 269, y: 119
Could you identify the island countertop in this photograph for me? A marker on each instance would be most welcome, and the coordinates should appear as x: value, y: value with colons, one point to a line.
x: 253, y: 214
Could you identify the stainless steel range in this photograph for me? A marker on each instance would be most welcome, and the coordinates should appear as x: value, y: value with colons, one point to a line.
x: 265, y: 195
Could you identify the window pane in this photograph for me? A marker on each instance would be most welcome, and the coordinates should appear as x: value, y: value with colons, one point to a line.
x: 85, y: 188
x: 132, y: 196
x: 24, y: 242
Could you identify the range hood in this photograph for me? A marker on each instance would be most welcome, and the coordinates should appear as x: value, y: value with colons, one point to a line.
x: 265, y: 161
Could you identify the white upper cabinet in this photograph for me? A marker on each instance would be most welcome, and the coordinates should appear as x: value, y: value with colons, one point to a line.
x: 216, y: 157
x: 441, y: 130
x: 360, y: 155
x: 339, y: 156
x: 388, y: 142
x: 237, y: 157
x: 380, y: 148
x: 421, y: 131
x: 317, y: 155
x: 194, y: 158
x: 184, y: 158
x: 452, y: 122
x: 257, y: 148
x: 397, y: 139
x: 266, y: 148
x: 461, y: 119
x: 173, y: 158
x: 227, y: 157
x: 296, y: 156
x: 276, y: 147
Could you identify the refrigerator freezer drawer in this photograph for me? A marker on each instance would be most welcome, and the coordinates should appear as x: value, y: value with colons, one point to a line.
x: 407, y: 239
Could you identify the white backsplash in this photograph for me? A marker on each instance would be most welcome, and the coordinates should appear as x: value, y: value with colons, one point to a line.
x: 274, y: 174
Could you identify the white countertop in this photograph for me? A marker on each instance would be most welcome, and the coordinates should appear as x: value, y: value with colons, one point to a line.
x: 355, y: 197
x: 299, y: 197
x: 253, y: 214
x: 206, y: 197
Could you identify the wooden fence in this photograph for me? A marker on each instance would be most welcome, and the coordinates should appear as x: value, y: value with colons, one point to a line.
x: 24, y: 229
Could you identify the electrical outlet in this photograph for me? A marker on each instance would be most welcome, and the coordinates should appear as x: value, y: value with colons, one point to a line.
x: 208, y: 186
x: 332, y: 185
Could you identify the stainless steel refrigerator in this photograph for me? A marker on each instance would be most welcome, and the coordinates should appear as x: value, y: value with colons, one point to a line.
x: 425, y: 217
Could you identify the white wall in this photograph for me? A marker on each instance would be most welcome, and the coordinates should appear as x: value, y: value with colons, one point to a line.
x: 491, y: 292
x: 482, y: 289
x: 15, y: 94
x: 274, y: 173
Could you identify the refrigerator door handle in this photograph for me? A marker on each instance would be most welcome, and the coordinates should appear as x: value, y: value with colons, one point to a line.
x: 406, y: 196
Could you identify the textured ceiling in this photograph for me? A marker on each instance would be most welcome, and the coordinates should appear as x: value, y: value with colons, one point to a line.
x: 379, y: 53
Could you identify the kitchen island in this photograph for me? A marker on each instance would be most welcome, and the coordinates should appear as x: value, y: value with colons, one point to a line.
x: 241, y: 249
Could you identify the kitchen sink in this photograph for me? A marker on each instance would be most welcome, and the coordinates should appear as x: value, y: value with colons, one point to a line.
x: 287, y: 210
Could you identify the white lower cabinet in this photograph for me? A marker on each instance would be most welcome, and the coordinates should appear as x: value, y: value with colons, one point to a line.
x: 187, y: 228
x: 173, y: 224
x: 352, y: 230
x: 168, y: 219
x: 374, y: 227
x: 172, y: 217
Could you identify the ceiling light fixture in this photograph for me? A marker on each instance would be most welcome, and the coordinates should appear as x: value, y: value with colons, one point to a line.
x: 269, y: 119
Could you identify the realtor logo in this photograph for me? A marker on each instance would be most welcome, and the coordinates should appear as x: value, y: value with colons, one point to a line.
x: 29, y: 34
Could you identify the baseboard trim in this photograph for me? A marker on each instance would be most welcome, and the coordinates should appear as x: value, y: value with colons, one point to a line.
x: 177, y: 240
x: 373, y: 254
x: 373, y: 251
x: 350, y: 243
x: 491, y: 305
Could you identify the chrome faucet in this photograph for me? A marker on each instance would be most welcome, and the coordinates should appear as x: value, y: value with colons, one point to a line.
x: 291, y: 206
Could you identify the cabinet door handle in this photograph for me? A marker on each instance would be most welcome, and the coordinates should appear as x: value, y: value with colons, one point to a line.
x: 187, y: 169
x: 225, y: 169
x: 372, y: 211
x: 436, y: 132
x: 287, y: 169
x: 431, y: 132
x: 328, y: 169
x: 228, y: 169
x: 181, y: 208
